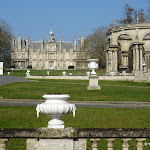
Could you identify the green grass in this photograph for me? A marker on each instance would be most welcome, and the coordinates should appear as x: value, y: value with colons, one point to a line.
x: 111, y: 90
x: 52, y: 72
x: 25, y: 117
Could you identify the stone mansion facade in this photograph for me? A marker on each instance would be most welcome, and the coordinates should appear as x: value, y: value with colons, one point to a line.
x: 49, y: 54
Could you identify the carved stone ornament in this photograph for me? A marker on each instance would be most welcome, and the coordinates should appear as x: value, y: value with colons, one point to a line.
x: 56, y: 106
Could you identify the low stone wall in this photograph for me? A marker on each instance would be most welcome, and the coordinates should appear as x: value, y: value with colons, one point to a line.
x: 112, y: 78
x: 117, y: 78
x: 67, y: 133
x: 72, y: 138
x: 59, y: 77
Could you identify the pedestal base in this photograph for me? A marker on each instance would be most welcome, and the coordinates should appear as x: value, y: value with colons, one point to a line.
x: 56, y: 144
x: 56, y: 123
x: 93, y: 88
x: 93, y: 83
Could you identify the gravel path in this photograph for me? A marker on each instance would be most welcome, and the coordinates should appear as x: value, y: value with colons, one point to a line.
x: 9, y: 79
x: 94, y: 104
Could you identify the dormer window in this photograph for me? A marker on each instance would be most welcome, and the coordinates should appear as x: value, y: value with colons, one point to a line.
x: 64, y: 56
x: 51, y: 48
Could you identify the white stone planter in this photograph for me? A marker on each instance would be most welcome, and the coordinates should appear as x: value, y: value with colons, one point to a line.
x: 93, y: 65
x: 48, y: 73
x: 64, y: 73
x: 28, y: 72
x: 56, y: 106
x: 87, y: 73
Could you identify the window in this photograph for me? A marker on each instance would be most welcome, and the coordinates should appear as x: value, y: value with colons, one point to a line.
x: 78, y: 64
x: 51, y: 56
x: 37, y: 64
x: 58, y: 57
x: 30, y: 56
x: 43, y: 64
x: 30, y: 63
x: 37, y: 56
x: 23, y: 55
x: 71, y: 56
x: 43, y: 56
x: 51, y: 65
x: 64, y: 56
x: 15, y: 56
x: 58, y: 65
x: 64, y: 64
x: 51, y: 48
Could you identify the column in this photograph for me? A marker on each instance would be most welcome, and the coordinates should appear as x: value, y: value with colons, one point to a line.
x: 113, y: 58
x: 127, y: 60
x: 116, y: 61
x: 125, y: 143
x: 141, y: 58
x: 107, y: 62
x: 110, y: 143
x: 110, y: 61
x: 137, y: 57
x: 94, y: 143
x: 140, y: 143
x: 134, y: 59
x: 3, y: 144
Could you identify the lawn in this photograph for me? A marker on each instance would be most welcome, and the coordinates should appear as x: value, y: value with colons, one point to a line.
x: 77, y: 89
x: 25, y: 117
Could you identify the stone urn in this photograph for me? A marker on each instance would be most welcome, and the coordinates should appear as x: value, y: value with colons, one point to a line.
x: 56, y: 106
x: 28, y: 73
x: 93, y: 65
x: 64, y: 73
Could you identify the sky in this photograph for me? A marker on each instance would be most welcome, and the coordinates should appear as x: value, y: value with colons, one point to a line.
x: 67, y: 18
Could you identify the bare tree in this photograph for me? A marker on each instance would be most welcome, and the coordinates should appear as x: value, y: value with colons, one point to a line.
x: 130, y: 15
x: 148, y: 11
x: 96, y: 44
x: 5, y: 42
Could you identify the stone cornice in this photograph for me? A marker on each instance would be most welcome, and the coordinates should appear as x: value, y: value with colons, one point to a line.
x: 74, y: 133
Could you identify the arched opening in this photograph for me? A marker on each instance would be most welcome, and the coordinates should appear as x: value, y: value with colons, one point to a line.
x: 146, y: 56
x: 130, y: 59
x: 124, y: 41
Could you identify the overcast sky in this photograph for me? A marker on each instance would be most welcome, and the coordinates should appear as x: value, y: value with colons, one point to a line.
x: 66, y: 17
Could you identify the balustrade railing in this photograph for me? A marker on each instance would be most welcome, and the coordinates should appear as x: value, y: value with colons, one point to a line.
x: 77, y: 136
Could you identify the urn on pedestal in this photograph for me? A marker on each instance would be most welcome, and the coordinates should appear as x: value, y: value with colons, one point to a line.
x: 93, y: 65
x: 56, y: 106
x: 93, y: 78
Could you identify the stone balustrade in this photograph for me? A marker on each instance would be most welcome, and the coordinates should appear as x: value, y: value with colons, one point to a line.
x: 73, y: 138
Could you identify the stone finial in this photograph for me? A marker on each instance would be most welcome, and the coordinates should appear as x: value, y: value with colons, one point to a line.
x: 27, y: 35
x: 114, y: 22
x: 75, y: 47
x: 137, y: 18
x: 110, y: 26
x: 19, y: 36
x: 82, y: 41
x: 42, y: 37
x: 51, y: 32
